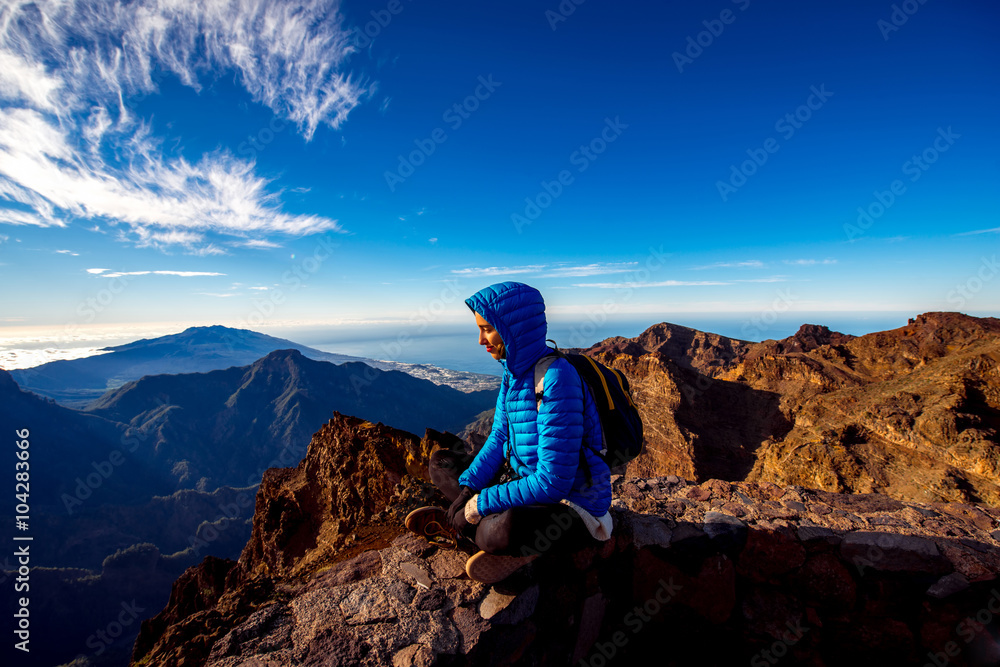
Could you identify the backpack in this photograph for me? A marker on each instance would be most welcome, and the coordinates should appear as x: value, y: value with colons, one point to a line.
x: 621, y: 425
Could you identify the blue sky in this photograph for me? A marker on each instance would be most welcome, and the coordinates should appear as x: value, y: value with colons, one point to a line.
x: 292, y: 163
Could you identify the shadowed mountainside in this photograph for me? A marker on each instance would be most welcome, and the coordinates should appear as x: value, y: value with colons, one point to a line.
x: 67, y: 446
x: 262, y: 415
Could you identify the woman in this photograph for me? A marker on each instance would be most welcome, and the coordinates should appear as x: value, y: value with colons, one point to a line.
x: 538, y: 481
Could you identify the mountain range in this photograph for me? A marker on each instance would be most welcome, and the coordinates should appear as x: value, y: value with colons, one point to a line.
x: 912, y: 413
x: 162, y: 471
x: 77, y: 382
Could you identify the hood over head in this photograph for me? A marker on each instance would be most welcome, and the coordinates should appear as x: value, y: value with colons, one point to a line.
x: 517, y: 312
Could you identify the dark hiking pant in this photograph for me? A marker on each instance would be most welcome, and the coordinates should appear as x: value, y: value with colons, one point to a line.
x: 519, y: 531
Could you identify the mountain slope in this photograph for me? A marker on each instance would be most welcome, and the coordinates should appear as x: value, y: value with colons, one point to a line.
x: 226, y: 427
x: 913, y: 412
x: 76, y: 382
x: 75, y: 459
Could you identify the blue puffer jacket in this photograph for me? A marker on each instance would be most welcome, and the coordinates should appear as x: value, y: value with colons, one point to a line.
x: 543, y: 444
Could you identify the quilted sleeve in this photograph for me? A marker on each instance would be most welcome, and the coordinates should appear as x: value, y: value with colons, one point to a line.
x: 560, y: 436
x: 490, y: 458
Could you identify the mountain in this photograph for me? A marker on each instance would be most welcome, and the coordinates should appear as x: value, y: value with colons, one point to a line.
x: 115, y: 559
x: 77, y: 382
x: 76, y: 459
x: 717, y: 574
x: 162, y: 471
x: 913, y: 412
x: 225, y: 427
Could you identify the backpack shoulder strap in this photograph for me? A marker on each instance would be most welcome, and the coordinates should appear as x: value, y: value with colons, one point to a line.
x: 541, y: 366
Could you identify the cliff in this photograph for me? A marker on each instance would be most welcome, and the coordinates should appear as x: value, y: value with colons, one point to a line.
x: 913, y: 413
x: 717, y: 573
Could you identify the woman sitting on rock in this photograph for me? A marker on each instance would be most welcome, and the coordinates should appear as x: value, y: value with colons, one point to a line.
x: 538, y: 482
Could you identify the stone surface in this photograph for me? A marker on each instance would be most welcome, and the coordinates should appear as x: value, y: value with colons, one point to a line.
x: 872, y: 578
x: 509, y: 609
x: 414, y: 655
x: 894, y: 553
x: 650, y: 530
x: 727, y: 532
x: 948, y: 585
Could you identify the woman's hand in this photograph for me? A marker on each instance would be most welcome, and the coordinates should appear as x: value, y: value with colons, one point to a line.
x: 456, y: 513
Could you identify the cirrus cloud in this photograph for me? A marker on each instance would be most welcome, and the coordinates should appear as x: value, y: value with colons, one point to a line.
x: 73, y: 147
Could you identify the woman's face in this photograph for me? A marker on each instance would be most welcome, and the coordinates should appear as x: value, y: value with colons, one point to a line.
x: 489, y: 337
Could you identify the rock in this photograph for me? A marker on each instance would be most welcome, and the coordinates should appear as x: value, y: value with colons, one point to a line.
x: 509, y: 609
x: 591, y: 619
x: 808, y: 534
x: 727, y: 532
x: 770, y: 554
x: 430, y: 600
x: 448, y: 564
x: 948, y: 585
x: 363, y: 606
x: 649, y: 530
x: 366, y: 564
x: 823, y: 580
x: 675, y: 567
x: 822, y: 409
x: 699, y: 494
x: 890, y: 552
x: 414, y: 655
x: 470, y: 626
x: 417, y: 546
x: 402, y: 591
x: 417, y: 572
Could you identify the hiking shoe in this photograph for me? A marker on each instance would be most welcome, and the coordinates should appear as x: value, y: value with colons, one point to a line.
x: 431, y: 523
x: 489, y: 568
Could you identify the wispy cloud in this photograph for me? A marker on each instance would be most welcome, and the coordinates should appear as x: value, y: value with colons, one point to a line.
x: 659, y: 283
x: 748, y: 264
x: 72, y: 148
x: 549, y: 270
x: 495, y: 271
x: 992, y: 230
x: 809, y: 262
x: 67, y: 252
x: 581, y: 271
x: 183, y: 274
x: 769, y: 279
x: 263, y: 244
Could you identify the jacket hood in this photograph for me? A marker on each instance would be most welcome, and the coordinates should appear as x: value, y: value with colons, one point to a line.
x: 517, y: 312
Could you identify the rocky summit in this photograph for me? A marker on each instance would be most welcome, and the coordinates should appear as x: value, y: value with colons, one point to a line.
x: 912, y: 413
x: 716, y: 573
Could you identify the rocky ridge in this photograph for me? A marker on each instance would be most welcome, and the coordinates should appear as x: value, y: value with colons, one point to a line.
x: 913, y: 413
x: 810, y: 576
